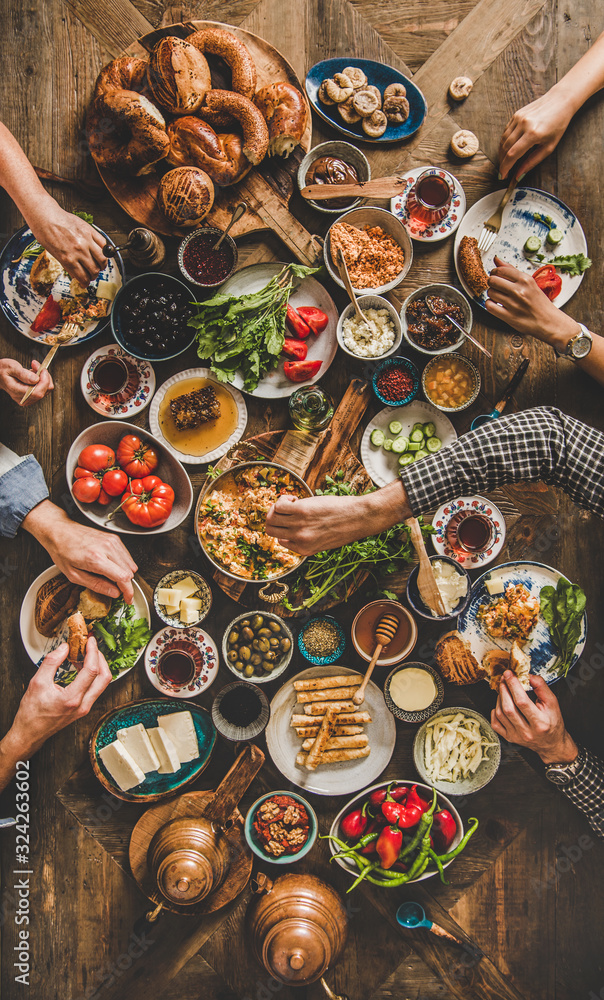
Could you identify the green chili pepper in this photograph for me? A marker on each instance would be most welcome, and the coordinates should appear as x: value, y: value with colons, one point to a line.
x: 472, y: 828
x: 367, y: 868
x: 424, y: 824
x: 347, y: 849
x: 433, y: 856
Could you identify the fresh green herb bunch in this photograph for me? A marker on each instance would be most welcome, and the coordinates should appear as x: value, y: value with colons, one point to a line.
x: 120, y: 636
x: 562, y: 608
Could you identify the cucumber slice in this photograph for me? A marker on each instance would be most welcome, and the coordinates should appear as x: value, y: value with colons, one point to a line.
x: 418, y: 427
x: 406, y: 460
x: 387, y: 445
x: 415, y: 445
x: 395, y: 427
x: 422, y: 453
x: 532, y: 245
x: 399, y: 445
x: 554, y: 237
x: 417, y: 434
x: 429, y: 429
x: 377, y: 437
x: 433, y: 444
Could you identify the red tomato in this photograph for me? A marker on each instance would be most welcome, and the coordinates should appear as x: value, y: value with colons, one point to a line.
x: 96, y: 457
x: 48, y: 317
x: 136, y: 457
x: 295, y: 348
x: 316, y: 318
x: 86, y: 489
x: 301, y: 371
x: 148, y: 502
x: 104, y: 498
x: 115, y: 482
x: 549, y: 280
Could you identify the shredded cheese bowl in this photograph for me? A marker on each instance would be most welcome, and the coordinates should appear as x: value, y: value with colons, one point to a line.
x: 456, y: 751
x: 230, y: 521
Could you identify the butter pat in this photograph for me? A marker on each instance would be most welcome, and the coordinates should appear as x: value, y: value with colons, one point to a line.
x: 495, y: 585
x: 138, y: 745
x: 180, y: 728
x: 451, y: 584
x: 107, y: 289
x: 121, y: 766
x: 169, y: 761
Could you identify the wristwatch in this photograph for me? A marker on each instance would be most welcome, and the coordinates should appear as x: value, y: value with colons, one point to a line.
x: 563, y: 774
x: 578, y: 346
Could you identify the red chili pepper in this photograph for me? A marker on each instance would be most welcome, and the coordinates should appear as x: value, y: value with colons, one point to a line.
x: 48, y: 317
x: 295, y: 322
x: 404, y: 814
x: 295, y: 348
x: 396, y: 792
x: 370, y: 848
x: 444, y: 829
x: 301, y: 371
x: 388, y: 845
x: 549, y: 280
x: 415, y: 799
x: 392, y: 811
x: 316, y: 318
x: 394, y: 384
x: 355, y: 824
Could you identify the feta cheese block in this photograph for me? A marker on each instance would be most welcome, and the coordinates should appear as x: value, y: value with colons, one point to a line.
x: 190, y: 604
x: 188, y: 615
x: 168, y: 597
x: 185, y: 587
x: 121, y: 766
x: 495, y: 585
x: 138, y: 744
x: 180, y: 728
x: 169, y: 761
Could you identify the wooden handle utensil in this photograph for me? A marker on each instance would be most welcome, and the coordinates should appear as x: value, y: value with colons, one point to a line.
x: 426, y: 582
x: 385, y: 632
x: 348, y: 286
x: 68, y: 332
x: 380, y: 187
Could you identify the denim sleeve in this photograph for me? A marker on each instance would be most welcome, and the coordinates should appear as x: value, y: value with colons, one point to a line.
x: 22, y: 488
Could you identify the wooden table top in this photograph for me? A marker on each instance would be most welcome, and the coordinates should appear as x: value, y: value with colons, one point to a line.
x: 525, y: 890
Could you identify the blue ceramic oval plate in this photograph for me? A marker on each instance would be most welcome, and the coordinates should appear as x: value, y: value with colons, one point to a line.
x: 378, y: 75
x: 20, y: 304
x: 539, y: 646
x: 155, y: 786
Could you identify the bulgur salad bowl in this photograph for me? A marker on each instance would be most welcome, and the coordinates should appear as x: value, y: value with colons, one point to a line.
x: 230, y: 521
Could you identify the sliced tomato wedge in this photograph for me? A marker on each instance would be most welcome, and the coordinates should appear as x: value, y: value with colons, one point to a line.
x: 48, y: 317
x: 549, y: 281
x: 297, y: 349
x: 301, y: 371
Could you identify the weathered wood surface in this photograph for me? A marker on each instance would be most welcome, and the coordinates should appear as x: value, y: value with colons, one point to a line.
x: 527, y: 894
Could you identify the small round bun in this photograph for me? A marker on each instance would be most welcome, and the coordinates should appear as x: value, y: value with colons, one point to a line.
x: 185, y: 196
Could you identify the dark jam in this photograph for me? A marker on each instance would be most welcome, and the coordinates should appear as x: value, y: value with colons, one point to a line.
x: 205, y: 265
x: 176, y: 667
x: 240, y: 707
x: 110, y: 376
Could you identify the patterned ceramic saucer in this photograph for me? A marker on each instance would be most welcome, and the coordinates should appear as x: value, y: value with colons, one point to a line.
x: 477, y: 505
x: 134, y: 397
x: 418, y: 230
x: 198, y: 644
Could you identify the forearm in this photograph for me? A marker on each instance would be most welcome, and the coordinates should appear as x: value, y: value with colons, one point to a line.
x: 584, y: 79
x: 20, y: 181
x: 41, y: 521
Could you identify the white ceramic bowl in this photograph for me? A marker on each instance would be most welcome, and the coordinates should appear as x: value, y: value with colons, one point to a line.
x: 446, y: 292
x: 472, y: 370
x: 371, y: 302
x: 343, y: 151
x: 397, y: 608
x: 368, y: 216
x: 486, y: 770
x: 282, y: 663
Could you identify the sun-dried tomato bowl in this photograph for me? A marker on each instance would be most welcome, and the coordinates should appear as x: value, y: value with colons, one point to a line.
x: 254, y: 842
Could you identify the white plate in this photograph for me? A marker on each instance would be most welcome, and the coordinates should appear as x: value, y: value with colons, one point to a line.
x: 480, y: 505
x: 133, y: 399
x: 540, y: 646
x: 37, y: 645
x: 331, y: 779
x: 382, y: 465
x: 210, y: 456
x: 420, y: 231
x: 517, y: 225
x: 309, y: 292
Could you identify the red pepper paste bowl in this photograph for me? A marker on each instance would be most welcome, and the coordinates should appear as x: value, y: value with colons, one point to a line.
x: 288, y: 857
x: 396, y: 381
x: 425, y: 792
x: 202, y: 266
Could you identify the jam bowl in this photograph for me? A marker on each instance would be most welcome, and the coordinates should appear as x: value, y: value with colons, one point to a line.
x: 200, y: 264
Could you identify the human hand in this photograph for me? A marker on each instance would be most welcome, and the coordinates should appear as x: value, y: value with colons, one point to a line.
x: 47, y: 708
x: 535, y: 129
x: 87, y: 556
x: 16, y: 380
x: 537, y: 725
x: 75, y: 244
x: 515, y: 297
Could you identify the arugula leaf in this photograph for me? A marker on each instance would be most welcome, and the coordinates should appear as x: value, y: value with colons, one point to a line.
x: 562, y: 609
x: 575, y: 263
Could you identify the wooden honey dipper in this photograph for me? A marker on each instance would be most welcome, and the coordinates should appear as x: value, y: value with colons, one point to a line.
x: 385, y: 632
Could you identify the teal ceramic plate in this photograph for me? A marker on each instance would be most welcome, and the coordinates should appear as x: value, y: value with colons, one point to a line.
x: 155, y: 786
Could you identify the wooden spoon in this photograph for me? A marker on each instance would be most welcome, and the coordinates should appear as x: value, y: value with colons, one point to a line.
x: 426, y: 582
x: 385, y: 632
x: 348, y: 286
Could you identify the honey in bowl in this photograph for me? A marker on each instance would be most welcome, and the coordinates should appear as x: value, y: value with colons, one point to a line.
x: 207, y: 436
x: 364, y: 631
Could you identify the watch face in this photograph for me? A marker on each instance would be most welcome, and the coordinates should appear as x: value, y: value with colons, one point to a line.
x: 581, y: 347
x: 558, y: 775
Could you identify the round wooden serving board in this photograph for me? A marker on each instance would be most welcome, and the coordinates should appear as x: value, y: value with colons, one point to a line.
x: 266, y: 188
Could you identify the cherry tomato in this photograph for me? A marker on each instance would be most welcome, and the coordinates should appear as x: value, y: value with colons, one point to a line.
x: 96, y: 457
x: 136, y: 457
x: 301, y: 371
x: 549, y: 281
x: 115, y: 482
x: 148, y: 502
x: 86, y: 489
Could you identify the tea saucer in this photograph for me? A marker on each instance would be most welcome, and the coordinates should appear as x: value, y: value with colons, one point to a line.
x: 199, y: 645
x: 134, y: 397
x: 478, y: 505
x: 417, y: 230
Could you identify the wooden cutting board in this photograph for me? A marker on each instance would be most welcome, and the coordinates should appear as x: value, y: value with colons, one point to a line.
x: 312, y: 456
x: 266, y: 189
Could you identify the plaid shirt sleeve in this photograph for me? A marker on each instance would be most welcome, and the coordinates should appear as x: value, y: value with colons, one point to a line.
x: 586, y: 791
x: 540, y: 444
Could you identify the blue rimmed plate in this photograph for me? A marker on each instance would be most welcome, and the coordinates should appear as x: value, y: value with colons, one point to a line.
x: 540, y: 645
x: 155, y: 786
x: 20, y: 304
x: 379, y: 75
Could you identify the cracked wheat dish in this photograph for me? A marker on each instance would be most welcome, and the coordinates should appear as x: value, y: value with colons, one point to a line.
x: 231, y: 522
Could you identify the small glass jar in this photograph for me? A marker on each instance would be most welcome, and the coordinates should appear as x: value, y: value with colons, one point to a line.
x: 311, y: 408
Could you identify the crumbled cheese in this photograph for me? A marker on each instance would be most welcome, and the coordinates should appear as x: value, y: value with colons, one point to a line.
x: 451, y: 584
x: 371, y: 339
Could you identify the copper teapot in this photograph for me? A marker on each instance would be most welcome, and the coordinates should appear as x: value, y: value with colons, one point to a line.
x: 297, y: 926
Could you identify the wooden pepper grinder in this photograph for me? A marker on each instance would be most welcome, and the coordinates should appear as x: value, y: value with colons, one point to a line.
x: 145, y: 249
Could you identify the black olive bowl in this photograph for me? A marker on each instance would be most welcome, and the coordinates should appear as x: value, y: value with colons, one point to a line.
x: 152, y: 345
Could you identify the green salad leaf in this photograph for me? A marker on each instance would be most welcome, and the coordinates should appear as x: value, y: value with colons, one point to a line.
x: 121, y: 636
x: 563, y: 608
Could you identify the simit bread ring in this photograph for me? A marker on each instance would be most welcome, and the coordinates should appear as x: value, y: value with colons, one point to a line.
x: 356, y: 76
x: 218, y: 42
x: 179, y: 76
x: 253, y: 125
x: 347, y: 112
x: 375, y: 125
x: 323, y: 96
x: 126, y: 132
x: 470, y: 265
x: 460, y: 88
x: 194, y: 143
x: 395, y: 90
x: 284, y: 110
x: 125, y: 73
x: 339, y: 88
x: 365, y: 103
x: 464, y: 144
x: 396, y: 109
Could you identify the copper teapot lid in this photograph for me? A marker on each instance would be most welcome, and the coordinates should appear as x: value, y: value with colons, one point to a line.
x: 185, y: 876
x: 296, y: 950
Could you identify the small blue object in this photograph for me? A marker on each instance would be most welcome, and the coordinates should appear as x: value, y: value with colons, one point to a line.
x: 322, y: 661
x: 406, y: 365
x: 256, y: 845
x: 412, y: 915
x: 418, y: 606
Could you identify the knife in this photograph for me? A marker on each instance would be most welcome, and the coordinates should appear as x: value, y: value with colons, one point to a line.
x: 380, y: 187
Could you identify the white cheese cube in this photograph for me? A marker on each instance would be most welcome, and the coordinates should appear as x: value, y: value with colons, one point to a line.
x: 186, y: 587
x: 168, y: 597
x: 169, y: 761
x: 180, y: 728
x: 188, y: 615
x: 107, y: 289
x: 172, y: 610
x: 495, y: 585
x: 190, y: 604
x: 138, y: 744
x: 121, y: 766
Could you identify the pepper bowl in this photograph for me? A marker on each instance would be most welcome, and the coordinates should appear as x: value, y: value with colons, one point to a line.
x: 408, y: 368
x: 426, y: 792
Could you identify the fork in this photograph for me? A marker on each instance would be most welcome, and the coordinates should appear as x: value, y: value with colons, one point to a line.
x: 67, y: 332
x: 491, y: 227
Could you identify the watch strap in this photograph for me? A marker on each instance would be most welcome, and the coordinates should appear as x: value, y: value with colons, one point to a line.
x: 563, y: 774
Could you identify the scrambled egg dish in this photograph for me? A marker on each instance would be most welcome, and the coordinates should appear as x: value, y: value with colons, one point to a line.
x: 512, y: 616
